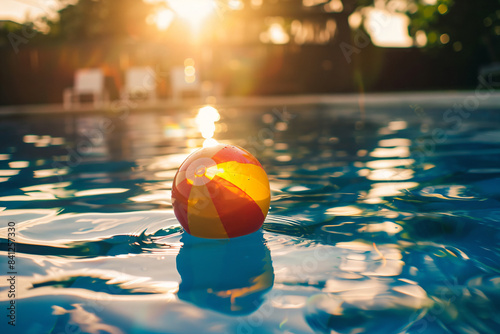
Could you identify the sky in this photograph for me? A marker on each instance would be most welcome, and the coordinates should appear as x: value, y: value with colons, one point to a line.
x: 18, y: 10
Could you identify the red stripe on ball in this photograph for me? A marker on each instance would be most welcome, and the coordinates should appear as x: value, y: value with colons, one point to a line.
x: 234, y: 205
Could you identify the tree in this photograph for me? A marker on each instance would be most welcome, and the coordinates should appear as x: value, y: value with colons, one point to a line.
x: 471, y: 29
x: 100, y: 20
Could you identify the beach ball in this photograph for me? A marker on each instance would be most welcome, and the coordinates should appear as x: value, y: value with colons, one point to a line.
x: 221, y: 192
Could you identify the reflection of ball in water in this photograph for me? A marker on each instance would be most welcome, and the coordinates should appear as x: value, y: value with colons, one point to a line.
x: 228, y: 276
x: 221, y: 192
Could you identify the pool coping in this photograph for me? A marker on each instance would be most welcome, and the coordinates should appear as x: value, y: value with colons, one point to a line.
x: 441, y: 99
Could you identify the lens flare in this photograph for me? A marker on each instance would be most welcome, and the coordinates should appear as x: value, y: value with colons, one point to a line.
x: 194, y: 11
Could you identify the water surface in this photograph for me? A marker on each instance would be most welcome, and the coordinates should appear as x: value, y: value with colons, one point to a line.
x: 381, y: 221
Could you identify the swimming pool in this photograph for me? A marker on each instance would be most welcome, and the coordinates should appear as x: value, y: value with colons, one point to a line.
x: 384, y: 219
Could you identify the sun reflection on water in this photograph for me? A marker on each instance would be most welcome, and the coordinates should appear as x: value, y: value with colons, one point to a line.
x: 205, y: 121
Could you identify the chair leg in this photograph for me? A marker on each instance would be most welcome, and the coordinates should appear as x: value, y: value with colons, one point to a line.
x: 152, y: 96
x: 77, y: 101
x: 67, y: 98
x: 97, y: 97
x: 105, y: 98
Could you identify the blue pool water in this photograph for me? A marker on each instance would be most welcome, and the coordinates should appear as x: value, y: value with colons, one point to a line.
x: 382, y: 220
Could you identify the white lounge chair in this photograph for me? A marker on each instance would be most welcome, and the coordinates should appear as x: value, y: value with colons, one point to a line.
x: 140, y: 82
x: 87, y: 82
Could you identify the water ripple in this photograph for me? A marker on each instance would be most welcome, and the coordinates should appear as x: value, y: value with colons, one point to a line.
x: 374, y: 226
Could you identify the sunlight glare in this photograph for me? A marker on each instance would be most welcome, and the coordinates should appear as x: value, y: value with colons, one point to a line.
x: 388, y: 29
x: 163, y: 19
x: 334, y: 6
x: 205, y: 120
x: 210, y: 142
x: 256, y: 3
x: 355, y: 20
x: 444, y: 38
x: 193, y: 10
x: 275, y: 34
x: 189, y: 62
x: 189, y: 70
x: 235, y: 4
x: 421, y: 38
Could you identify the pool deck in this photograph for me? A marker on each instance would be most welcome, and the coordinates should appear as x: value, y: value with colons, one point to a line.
x: 442, y: 99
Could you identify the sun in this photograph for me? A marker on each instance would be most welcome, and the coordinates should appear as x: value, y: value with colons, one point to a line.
x: 194, y: 11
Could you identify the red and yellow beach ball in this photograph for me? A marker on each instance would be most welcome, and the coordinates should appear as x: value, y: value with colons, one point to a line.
x: 221, y: 192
